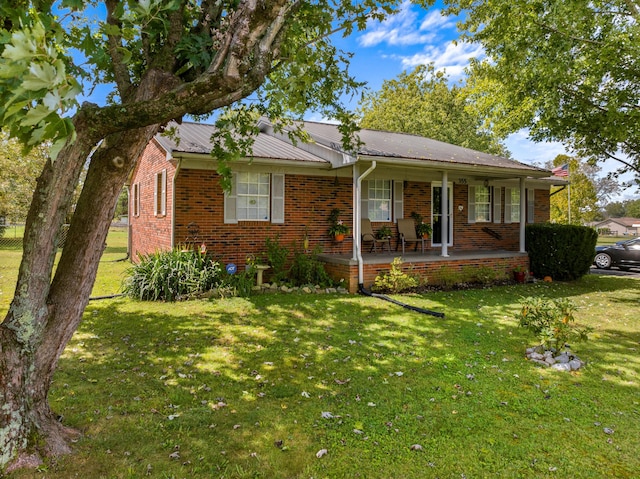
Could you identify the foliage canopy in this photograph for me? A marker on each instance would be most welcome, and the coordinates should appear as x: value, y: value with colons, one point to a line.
x: 567, y: 70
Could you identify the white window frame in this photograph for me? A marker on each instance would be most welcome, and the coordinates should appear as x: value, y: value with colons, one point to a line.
x: 379, y: 193
x: 474, y: 191
x: 249, y: 191
x: 275, y: 200
x: 160, y: 193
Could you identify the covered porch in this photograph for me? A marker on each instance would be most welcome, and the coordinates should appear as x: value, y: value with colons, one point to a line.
x: 430, y: 264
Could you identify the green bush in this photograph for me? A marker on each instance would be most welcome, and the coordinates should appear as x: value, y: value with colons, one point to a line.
x: 238, y: 284
x: 550, y: 320
x: 395, y: 281
x: 276, y: 256
x: 168, y: 275
x: 307, y: 269
x: 564, y: 252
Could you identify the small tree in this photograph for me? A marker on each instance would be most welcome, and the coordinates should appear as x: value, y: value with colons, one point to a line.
x: 551, y: 321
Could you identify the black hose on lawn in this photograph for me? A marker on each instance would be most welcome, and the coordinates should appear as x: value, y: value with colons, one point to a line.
x: 364, y: 291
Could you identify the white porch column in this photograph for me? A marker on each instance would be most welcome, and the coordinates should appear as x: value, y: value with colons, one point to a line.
x: 356, y: 212
x: 523, y: 214
x: 444, y: 237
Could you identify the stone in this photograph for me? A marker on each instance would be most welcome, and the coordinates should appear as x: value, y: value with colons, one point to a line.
x: 537, y: 356
x: 307, y: 289
x: 575, y: 364
x: 540, y: 362
x: 284, y: 289
x: 332, y: 290
x: 563, y: 358
x: 562, y: 366
x: 550, y: 361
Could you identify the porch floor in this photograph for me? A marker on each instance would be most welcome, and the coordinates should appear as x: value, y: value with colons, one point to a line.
x: 429, y: 256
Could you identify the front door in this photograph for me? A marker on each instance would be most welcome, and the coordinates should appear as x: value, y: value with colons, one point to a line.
x: 436, y: 213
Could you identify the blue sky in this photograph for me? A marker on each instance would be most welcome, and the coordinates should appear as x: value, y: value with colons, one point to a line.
x: 417, y: 36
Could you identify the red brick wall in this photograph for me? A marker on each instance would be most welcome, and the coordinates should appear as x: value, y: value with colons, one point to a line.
x: 432, y: 271
x: 308, y: 202
x: 149, y: 232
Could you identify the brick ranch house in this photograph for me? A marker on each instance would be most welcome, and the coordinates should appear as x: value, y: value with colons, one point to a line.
x: 478, y: 204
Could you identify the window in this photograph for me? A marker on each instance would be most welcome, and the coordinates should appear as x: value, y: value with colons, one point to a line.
x: 135, y: 200
x: 380, y: 200
x: 255, y: 196
x: 160, y: 194
x: 512, y: 205
x: 479, y: 204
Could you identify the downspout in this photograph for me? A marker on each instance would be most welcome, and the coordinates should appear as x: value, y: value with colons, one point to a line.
x: 358, y: 242
x: 523, y: 214
x: 358, y: 216
x: 173, y: 204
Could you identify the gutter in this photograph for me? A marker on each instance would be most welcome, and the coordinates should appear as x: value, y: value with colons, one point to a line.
x: 558, y: 191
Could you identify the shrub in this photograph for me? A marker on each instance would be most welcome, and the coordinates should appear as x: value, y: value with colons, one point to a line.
x: 276, y: 257
x: 395, y: 281
x: 449, y: 277
x: 307, y: 269
x: 550, y: 320
x: 484, y: 275
x: 168, y: 275
x: 564, y: 252
x: 238, y: 284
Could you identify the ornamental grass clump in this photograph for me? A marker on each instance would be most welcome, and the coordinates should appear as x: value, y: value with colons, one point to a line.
x: 170, y: 275
x: 551, y: 321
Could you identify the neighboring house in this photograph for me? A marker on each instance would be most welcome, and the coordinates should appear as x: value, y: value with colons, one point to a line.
x: 478, y: 204
x: 618, y: 226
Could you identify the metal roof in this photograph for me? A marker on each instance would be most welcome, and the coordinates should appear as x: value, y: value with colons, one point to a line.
x: 196, y: 138
x: 378, y: 143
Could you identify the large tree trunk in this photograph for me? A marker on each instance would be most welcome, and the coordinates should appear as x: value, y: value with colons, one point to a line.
x: 45, y: 313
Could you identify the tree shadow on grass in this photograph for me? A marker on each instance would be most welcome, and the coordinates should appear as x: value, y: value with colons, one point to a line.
x: 282, y: 376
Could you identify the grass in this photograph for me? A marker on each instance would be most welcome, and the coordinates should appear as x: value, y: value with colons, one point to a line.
x: 256, y: 387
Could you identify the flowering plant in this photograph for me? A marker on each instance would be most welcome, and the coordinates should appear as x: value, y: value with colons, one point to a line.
x: 337, y: 226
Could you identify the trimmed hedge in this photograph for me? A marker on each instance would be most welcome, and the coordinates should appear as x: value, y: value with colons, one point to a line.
x: 564, y: 252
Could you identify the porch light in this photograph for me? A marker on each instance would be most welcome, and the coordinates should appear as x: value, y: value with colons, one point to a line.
x: 460, y: 208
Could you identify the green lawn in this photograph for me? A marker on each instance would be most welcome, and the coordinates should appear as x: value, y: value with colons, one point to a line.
x: 258, y: 387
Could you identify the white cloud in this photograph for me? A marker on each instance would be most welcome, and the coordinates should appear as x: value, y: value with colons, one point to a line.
x: 404, y: 28
x: 453, y: 58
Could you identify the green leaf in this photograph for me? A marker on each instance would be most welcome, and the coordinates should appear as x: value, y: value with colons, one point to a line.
x: 39, y: 77
x: 35, y: 115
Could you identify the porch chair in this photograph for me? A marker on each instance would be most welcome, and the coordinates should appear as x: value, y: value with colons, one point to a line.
x: 366, y: 234
x: 407, y: 234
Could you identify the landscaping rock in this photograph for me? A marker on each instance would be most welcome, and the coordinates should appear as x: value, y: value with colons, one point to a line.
x: 565, y: 361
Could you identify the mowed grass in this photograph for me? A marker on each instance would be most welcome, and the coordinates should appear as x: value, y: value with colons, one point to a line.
x: 260, y: 387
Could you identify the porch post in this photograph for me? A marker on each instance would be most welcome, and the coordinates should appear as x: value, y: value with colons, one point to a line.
x: 523, y: 214
x: 444, y: 236
x: 356, y: 212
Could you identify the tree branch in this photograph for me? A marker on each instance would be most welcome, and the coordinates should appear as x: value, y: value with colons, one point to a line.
x: 620, y: 160
x: 567, y: 35
x: 120, y: 70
